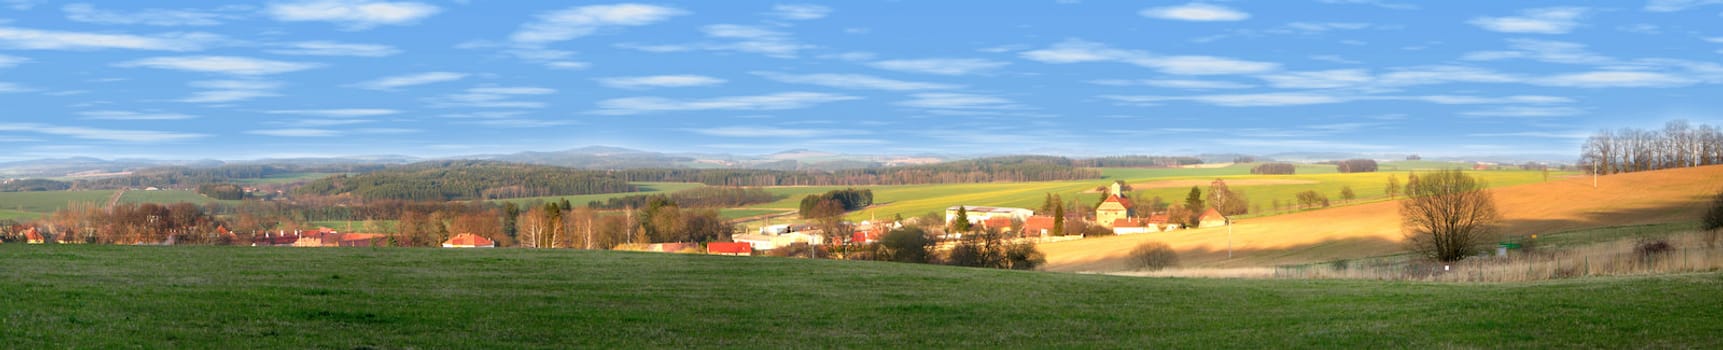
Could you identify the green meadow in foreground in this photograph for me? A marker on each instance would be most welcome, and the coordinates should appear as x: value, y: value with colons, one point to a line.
x: 238, y: 297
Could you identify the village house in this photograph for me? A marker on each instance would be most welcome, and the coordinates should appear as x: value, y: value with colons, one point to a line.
x: 1038, y: 226
x: 1132, y: 226
x: 1114, y: 208
x: 978, y: 215
x: 1212, y: 218
x: 33, y: 237
x: 468, y: 240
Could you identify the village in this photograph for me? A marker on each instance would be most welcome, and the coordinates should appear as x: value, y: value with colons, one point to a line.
x: 1115, y: 214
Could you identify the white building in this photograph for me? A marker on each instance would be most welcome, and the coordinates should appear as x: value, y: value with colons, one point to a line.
x: 977, y: 214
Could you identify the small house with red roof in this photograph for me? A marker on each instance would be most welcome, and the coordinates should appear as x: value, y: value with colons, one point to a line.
x: 1039, y: 225
x: 1114, y: 208
x: 468, y: 240
x: 1212, y: 218
x: 1131, y: 226
x: 1003, y: 224
x: 729, y: 248
x: 33, y: 237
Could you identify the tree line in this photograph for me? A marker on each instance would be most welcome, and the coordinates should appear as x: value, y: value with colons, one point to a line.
x: 998, y: 169
x: 844, y: 200
x: 1355, y: 165
x: 1136, y: 162
x: 1679, y: 144
x: 1274, y: 169
x: 188, y: 177
x: 464, y: 180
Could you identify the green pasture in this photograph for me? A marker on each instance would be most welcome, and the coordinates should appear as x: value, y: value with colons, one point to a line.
x: 168, y: 196
x: 582, y: 200
x: 59, y: 296
x: 50, y: 201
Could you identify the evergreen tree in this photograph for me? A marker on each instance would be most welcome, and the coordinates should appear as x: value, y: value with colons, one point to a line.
x: 1058, y: 220
x: 960, y: 223
x: 1194, y: 203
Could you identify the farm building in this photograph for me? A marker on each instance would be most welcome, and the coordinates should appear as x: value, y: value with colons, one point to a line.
x: 468, y: 240
x: 1003, y: 224
x: 1039, y: 225
x: 1116, y: 207
x: 1132, y: 226
x: 1212, y: 218
x: 33, y: 237
x: 978, y: 215
x: 729, y: 248
x: 769, y: 242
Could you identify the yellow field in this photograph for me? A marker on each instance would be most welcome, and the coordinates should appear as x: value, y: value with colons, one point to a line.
x: 1373, y: 229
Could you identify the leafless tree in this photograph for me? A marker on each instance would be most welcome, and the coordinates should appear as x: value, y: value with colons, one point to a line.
x: 1448, y: 215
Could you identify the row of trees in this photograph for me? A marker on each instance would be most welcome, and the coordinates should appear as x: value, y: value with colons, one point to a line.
x: 1274, y: 169
x: 1680, y: 144
x: 1356, y: 166
x: 463, y: 180
x: 128, y: 223
x: 1136, y: 162
x: 1000, y: 169
x: 222, y: 191
x: 34, y: 185
x: 840, y: 200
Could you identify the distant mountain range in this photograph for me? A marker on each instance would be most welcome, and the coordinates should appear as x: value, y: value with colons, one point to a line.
x: 605, y: 157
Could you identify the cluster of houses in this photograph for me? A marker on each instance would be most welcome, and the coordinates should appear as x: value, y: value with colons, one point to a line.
x: 1116, y: 212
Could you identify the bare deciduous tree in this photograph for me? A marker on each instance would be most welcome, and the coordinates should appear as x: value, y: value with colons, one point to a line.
x: 1448, y: 215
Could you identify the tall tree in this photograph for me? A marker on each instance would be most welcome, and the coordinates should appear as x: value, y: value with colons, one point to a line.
x: 1448, y: 215
x: 1393, y: 188
x: 960, y: 222
x: 1194, y: 203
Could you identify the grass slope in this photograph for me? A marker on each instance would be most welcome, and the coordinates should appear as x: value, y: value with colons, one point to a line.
x: 168, y: 196
x: 232, y: 297
x: 48, y: 202
x: 582, y: 200
x: 1374, y: 228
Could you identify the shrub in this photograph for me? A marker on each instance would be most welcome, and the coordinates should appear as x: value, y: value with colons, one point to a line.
x: 1340, y: 265
x: 1274, y: 169
x: 1153, y: 256
x: 1712, y: 223
x: 1649, y: 249
x: 1023, y: 256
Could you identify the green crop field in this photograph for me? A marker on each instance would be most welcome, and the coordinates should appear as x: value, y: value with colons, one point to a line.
x: 240, y: 297
x: 742, y: 213
x: 358, y: 226
x: 913, y: 200
x: 581, y: 200
x: 50, y: 201
x: 168, y: 196
x: 6, y: 214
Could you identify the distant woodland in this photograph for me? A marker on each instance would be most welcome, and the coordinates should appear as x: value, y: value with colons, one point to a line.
x: 1679, y: 145
x: 467, y: 180
x: 999, y: 169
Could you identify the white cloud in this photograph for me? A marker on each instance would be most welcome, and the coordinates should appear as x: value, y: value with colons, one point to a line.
x: 800, y: 12
x: 941, y: 66
x: 943, y: 100
x: 767, y: 131
x: 1198, y: 12
x: 1377, y: 3
x: 1543, y: 51
x: 296, y: 132
x: 330, y: 48
x: 221, y: 91
x: 581, y: 21
x: 1176, y: 83
x: 220, y: 64
x: 352, y: 14
x: 133, y: 115
x: 32, y: 39
x: 1677, y: 5
x: 343, y: 112
x: 401, y: 81
x: 135, y: 136
x: 1310, y: 98
x: 777, y: 101
x: 683, y: 80
x: 153, y: 17
x: 1525, y: 112
x: 752, y: 39
x: 8, y: 61
x: 1079, y: 51
x: 492, y: 97
x: 854, y: 81
x: 1538, y: 134
x: 1604, y: 79
x: 1549, y: 20
x: 1326, y: 79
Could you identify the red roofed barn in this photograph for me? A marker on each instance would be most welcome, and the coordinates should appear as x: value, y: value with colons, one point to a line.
x: 468, y: 240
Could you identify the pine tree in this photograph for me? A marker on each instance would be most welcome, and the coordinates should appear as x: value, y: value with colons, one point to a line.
x: 1194, y: 203
x: 960, y: 223
x: 1058, y: 220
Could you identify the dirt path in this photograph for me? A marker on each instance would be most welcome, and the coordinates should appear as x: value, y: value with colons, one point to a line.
x: 115, y: 199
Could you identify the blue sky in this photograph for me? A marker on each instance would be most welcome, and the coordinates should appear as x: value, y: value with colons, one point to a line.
x: 183, y: 80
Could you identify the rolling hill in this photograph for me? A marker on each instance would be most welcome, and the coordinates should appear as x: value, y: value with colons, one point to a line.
x: 1373, y: 229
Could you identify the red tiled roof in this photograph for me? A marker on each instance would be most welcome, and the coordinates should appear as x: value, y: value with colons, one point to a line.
x: 469, y: 240
x: 729, y: 248
x: 1158, y: 219
x: 1037, y: 223
x: 1129, y: 223
x: 1212, y: 214
x: 997, y: 222
x: 32, y: 235
x: 1118, y: 199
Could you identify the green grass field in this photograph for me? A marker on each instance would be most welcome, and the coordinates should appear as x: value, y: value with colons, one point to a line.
x: 240, y: 297
x: 18, y: 215
x: 357, y: 226
x: 581, y: 200
x: 742, y: 213
x: 168, y: 196
x: 48, y: 202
